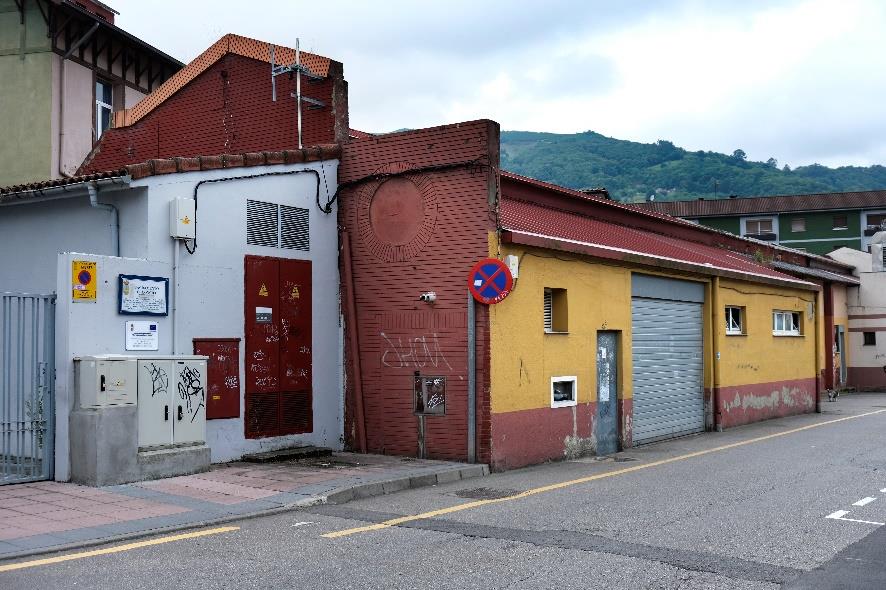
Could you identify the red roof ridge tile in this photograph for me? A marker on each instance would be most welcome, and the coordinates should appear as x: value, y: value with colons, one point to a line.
x: 229, y: 43
x: 160, y: 166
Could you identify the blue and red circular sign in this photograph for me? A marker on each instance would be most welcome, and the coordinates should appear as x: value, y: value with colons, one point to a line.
x: 490, y: 281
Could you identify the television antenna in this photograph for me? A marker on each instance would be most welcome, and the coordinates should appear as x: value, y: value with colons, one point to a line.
x: 298, y: 70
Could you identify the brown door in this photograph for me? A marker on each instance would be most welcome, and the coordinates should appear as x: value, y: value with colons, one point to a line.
x: 278, y: 347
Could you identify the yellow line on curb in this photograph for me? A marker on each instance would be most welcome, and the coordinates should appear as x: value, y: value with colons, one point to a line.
x: 128, y: 547
x: 565, y: 484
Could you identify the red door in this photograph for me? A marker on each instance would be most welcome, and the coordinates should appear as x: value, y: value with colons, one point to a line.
x: 278, y: 347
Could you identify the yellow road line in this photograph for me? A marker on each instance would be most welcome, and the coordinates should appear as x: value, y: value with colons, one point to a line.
x: 128, y: 547
x: 565, y: 484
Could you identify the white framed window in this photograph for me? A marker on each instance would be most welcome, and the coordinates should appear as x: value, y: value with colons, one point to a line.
x: 564, y: 391
x: 798, y: 224
x: 556, y: 311
x: 104, y: 107
x: 759, y: 226
x: 734, y: 320
x: 786, y: 323
x: 840, y: 222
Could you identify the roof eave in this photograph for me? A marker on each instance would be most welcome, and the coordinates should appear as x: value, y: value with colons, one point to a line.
x: 598, y: 251
x: 62, y: 191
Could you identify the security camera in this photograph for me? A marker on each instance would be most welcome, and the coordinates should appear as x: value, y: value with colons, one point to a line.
x: 428, y: 297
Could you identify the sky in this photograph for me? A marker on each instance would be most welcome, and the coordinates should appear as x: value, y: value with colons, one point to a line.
x: 802, y: 81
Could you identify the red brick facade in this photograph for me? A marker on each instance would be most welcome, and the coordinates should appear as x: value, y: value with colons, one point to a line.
x: 448, y: 204
x: 228, y: 109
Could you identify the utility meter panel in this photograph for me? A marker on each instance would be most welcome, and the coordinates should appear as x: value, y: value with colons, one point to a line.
x: 182, y: 213
x: 171, y: 400
x: 106, y: 381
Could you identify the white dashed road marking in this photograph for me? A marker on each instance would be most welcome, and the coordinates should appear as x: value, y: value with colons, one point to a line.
x: 864, y: 501
x: 839, y: 514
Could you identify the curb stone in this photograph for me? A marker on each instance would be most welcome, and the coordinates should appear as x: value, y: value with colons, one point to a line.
x: 340, y: 495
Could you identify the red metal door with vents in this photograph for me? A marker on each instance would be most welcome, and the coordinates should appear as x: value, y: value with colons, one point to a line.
x: 278, y: 347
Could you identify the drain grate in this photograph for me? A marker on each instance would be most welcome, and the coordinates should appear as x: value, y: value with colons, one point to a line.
x: 485, y: 493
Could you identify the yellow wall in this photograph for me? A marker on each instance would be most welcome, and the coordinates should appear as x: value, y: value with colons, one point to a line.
x: 758, y: 356
x: 524, y: 357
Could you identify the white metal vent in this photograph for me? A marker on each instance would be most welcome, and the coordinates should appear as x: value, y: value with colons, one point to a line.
x: 294, y: 229
x: 261, y: 224
x: 277, y: 226
x: 549, y: 311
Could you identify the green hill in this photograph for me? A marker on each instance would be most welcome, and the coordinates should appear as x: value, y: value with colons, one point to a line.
x: 632, y: 171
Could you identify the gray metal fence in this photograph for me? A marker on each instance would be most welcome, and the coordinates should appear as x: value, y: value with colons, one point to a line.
x: 27, y: 368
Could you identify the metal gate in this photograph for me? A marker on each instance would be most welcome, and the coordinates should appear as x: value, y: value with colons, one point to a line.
x: 27, y: 388
x: 667, y: 347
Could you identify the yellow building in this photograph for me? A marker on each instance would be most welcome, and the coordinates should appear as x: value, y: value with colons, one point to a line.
x: 623, y: 328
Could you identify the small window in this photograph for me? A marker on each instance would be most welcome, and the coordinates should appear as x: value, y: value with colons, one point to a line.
x: 734, y: 320
x: 870, y: 338
x: 840, y: 222
x: 798, y: 224
x: 556, y: 313
x: 786, y: 323
x: 758, y: 226
x: 104, y: 101
x: 563, y: 391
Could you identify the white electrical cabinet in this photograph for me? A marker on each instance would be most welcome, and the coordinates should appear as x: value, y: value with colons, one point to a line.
x: 171, y: 400
x: 106, y: 381
x: 170, y: 392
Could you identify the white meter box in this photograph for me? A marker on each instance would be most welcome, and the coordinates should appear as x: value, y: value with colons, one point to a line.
x: 182, y: 218
x: 106, y: 382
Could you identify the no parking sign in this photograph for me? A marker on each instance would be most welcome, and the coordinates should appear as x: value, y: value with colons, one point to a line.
x: 490, y: 281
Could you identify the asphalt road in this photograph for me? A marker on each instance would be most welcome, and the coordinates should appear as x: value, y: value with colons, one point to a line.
x: 795, y: 502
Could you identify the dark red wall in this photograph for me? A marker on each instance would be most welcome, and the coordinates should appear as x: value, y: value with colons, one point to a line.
x: 228, y: 109
x: 399, y: 335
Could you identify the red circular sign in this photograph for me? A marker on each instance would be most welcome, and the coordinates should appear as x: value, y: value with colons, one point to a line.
x: 490, y: 281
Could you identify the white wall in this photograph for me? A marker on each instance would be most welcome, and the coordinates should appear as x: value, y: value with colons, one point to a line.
x: 32, y: 235
x: 211, y: 283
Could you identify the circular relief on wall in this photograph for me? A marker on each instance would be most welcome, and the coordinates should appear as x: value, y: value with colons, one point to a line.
x: 397, y: 215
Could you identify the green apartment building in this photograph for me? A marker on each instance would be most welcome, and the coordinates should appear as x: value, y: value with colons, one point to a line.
x: 817, y: 223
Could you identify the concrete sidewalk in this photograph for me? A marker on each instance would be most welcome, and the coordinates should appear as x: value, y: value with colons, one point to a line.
x: 49, y: 516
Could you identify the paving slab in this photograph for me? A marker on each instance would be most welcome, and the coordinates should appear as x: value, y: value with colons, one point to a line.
x: 44, y: 517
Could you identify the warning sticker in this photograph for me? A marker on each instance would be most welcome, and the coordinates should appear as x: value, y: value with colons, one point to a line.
x: 84, y: 276
x: 263, y: 292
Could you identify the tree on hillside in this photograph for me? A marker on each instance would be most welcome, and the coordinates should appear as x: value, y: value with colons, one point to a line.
x: 772, y: 163
x: 739, y: 155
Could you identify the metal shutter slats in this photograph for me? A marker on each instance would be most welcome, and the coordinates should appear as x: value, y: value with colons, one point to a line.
x: 294, y: 228
x: 261, y: 224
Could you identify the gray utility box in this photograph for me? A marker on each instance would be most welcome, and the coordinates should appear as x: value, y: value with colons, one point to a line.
x: 138, y: 417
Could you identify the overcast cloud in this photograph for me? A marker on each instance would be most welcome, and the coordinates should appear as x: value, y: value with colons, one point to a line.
x: 803, y: 81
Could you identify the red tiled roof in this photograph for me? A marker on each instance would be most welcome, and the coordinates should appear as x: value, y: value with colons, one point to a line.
x: 660, y: 215
x: 230, y: 43
x: 774, y: 204
x: 532, y: 219
x: 173, y: 165
x: 357, y: 134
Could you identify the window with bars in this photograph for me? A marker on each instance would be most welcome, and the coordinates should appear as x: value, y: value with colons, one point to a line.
x: 870, y: 338
x: 556, y: 311
x: 734, y: 320
x: 277, y: 226
x: 786, y: 323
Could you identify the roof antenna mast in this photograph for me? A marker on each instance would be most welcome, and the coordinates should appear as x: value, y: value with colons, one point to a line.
x: 298, y: 69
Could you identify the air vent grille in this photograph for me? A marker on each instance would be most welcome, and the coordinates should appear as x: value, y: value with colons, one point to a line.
x: 277, y: 226
x: 261, y: 224
x: 294, y: 230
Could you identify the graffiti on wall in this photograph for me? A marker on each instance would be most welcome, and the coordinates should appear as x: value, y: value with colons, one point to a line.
x: 413, y: 352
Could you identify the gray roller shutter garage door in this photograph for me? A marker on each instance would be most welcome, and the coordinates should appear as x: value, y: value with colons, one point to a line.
x: 667, y: 348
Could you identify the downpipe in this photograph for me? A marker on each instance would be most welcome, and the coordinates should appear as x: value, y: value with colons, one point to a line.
x: 115, y: 215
